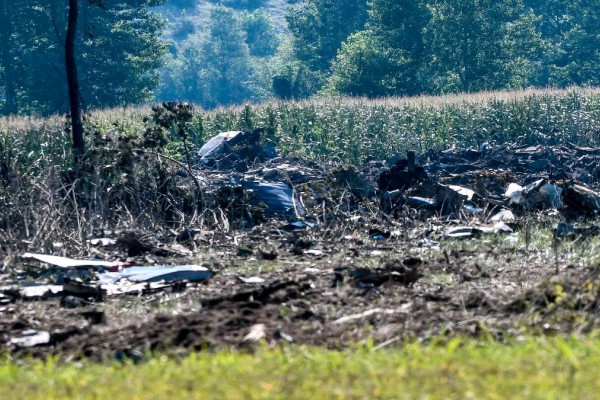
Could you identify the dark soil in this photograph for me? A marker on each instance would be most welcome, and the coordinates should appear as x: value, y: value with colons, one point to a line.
x: 359, y: 272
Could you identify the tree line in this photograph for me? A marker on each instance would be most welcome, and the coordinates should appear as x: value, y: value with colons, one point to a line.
x: 408, y: 47
x: 235, y: 52
x: 119, y: 53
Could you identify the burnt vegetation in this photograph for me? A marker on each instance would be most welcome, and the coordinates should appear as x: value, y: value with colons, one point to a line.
x: 458, y: 234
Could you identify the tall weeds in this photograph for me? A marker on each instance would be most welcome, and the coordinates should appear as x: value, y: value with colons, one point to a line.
x: 354, y: 130
x: 134, y: 179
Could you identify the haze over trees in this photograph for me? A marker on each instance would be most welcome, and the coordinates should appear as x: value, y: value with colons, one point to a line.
x: 118, y: 55
x: 220, y: 53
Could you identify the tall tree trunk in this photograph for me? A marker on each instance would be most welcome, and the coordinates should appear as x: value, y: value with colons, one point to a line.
x: 73, y: 82
x: 7, y: 60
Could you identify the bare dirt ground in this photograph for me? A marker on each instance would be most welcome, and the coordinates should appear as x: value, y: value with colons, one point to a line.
x: 388, y: 267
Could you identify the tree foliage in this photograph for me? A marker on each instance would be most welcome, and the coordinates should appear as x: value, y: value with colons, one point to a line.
x: 318, y: 29
x: 228, y: 63
x: 572, y: 32
x: 118, y: 55
x: 261, y: 36
x: 471, y: 42
x: 229, y: 52
x: 437, y: 46
x: 226, y: 60
x: 386, y: 58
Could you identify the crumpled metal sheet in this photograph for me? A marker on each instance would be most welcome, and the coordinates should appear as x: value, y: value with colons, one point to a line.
x: 215, y: 142
x: 65, y: 262
x: 192, y: 273
x: 279, y: 197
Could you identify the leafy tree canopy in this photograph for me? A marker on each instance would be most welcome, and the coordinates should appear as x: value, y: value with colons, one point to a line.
x: 118, y: 54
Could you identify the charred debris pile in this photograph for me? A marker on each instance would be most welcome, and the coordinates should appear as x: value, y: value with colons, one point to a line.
x: 273, y: 207
x: 422, y: 199
x: 490, y: 184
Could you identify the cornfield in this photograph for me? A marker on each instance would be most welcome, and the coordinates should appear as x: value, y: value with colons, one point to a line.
x: 348, y: 130
x: 45, y: 199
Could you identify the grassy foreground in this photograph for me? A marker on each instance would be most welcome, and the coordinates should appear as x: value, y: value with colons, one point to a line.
x: 459, y: 369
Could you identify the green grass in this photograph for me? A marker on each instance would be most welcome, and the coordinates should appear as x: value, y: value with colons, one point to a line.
x: 533, y: 368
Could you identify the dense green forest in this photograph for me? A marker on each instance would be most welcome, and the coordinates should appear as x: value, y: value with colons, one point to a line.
x: 219, y: 53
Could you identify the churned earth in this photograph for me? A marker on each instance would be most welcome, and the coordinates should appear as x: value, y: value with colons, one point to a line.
x: 389, y: 253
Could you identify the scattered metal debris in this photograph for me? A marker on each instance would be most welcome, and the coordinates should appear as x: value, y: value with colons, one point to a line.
x: 251, y: 280
x: 191, y: 273
x: 564, y: 230
x: 65, y: 262
x: 31, y: 338
x: 343, y: 237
